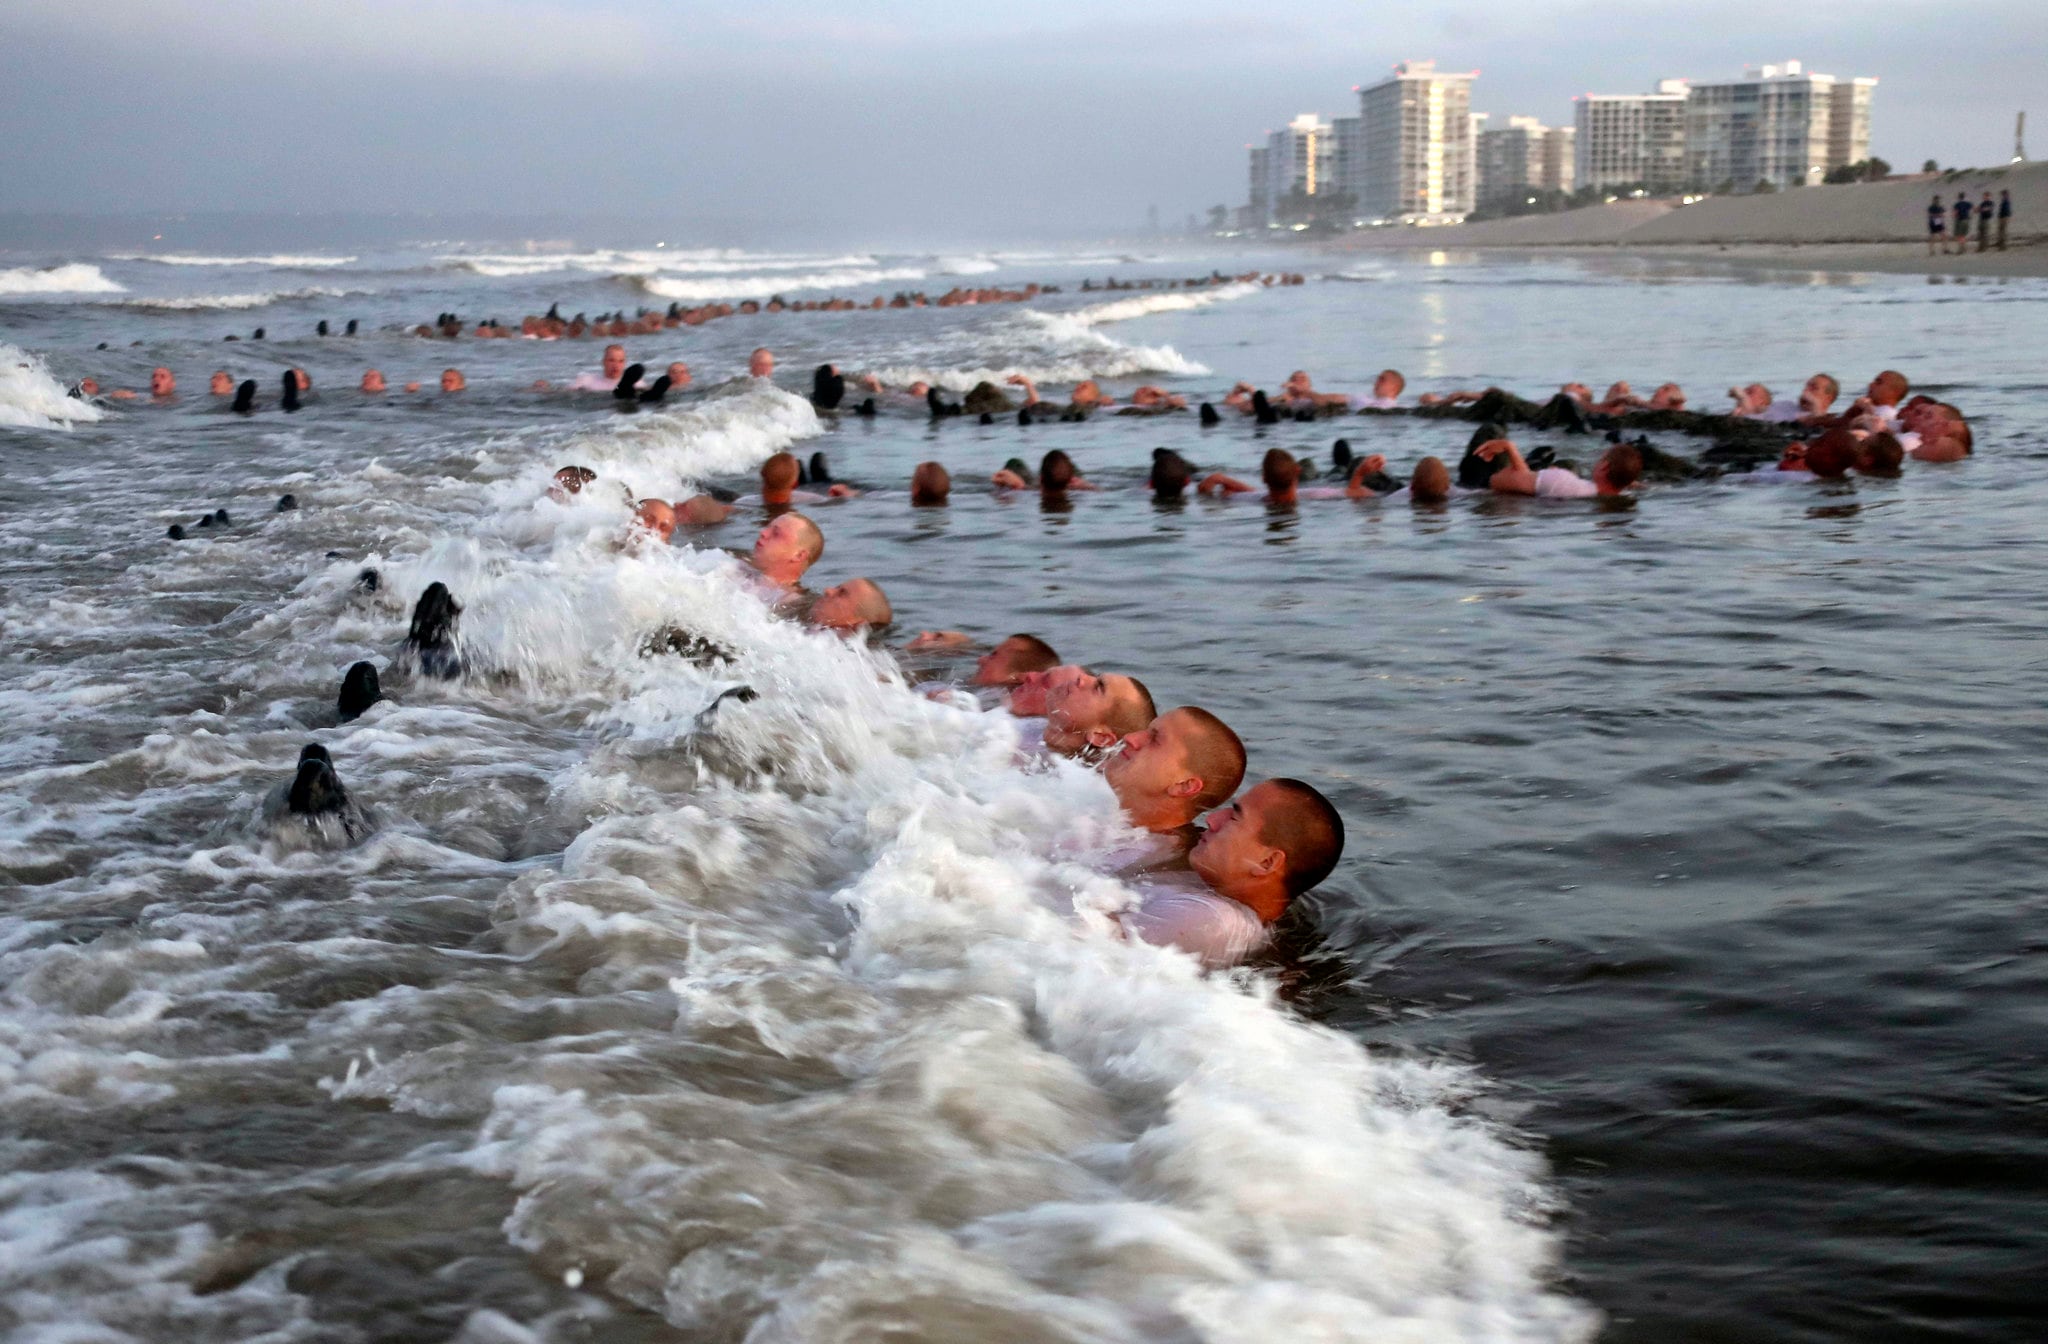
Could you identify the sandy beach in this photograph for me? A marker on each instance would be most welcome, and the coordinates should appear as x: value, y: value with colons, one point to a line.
x: 1878, y: 226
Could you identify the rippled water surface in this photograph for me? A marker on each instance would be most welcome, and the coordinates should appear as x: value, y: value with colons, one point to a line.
x: 1682, y: 980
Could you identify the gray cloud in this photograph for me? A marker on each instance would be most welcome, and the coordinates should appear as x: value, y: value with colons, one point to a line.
x: 893, y: 122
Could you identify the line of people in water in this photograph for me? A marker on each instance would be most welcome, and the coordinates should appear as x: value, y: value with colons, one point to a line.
x: 1215, y: 868
x: 644, y: 321
x: 1875, y: 433
x: 1254, y: 855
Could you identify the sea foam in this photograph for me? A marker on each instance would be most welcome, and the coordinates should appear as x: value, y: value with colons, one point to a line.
x: 31, y: 399
x: 75, y: 278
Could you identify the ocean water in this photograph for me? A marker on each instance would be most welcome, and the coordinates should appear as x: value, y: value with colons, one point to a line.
x: 1681, y: 980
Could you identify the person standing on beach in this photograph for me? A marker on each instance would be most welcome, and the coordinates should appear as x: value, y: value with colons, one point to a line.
x: 1959, y: 236
x: 1937, y: 224
x: 1984, y: 211
x: 2004, y: 216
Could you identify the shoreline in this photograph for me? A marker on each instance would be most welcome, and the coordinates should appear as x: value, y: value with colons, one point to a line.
x: 2023, y: 260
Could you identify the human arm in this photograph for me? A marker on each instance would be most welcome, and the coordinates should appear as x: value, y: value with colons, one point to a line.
x: 1216, y: 483
x: 1355, y: 488
x: 1030, y: 388
x: 1513, y: 479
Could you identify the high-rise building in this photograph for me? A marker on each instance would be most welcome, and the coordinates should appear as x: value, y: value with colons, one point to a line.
x: 1776, y: 124
x: 1560, y: 164
x: 1350, y: 157
x: 1258, y: 207
x: 1298, y: 159
x: 1417, y: 157
x: 1849, y: 121
x: 1521, y: 158
x: 1632, y: 139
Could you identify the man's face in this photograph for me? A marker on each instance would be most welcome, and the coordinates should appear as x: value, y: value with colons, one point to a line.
x: 1388, y: 384
x: 1816, y: 396
x: 615, y: 362
x: 1085, y: 703
x: 1034, y: 690
x: 1230, y: 852
x: 841, y: 607
x: 451, y: 380
x: 998, y: 667
x: 780, y: 545
x: 762, y: 364
x: 656, y: 518
x: 302, y: 378
x: 1152, y: 762
x: 1885, y: 391
x: 373, y: 381
x: 678, y: 374
x: 161, y: 383
x: 220, y: 384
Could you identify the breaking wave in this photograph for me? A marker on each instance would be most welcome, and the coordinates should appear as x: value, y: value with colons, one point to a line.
x: 31, y: 399
x: 75, y: 278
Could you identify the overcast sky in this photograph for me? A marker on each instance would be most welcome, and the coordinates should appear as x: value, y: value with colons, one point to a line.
x: 882, y: 122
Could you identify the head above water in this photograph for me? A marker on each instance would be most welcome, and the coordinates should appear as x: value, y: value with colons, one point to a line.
x: 1055, y: 472
x: 222, y: 383
x: 1619, y: 468
x: 1832, y: 454
x: 614, y: 365
x: 656, y: 517
x: 930, y: 484
x: 761, y: 364
x: 1431, y: 483
x: 161, y: 382
x: 1095, y: 709
x: 779, y: 477
x: 1880, y: 455
x: 1888, y: 388
x: 852, y: 604
x: 1818, y: 394
x: 453, y: 381
x: 1389, y: 384
x: 788, y: 546
x: 1279, y: 839
x: 678, y: 374
x: 1280, y: 472
x: 1179, y: 766
x: 1170, y: 474
x: 1010, y: 661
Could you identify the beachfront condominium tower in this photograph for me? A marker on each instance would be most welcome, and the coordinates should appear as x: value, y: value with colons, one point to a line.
x: 1522, y: 158
x: 1417, y: 159
x: 1297, y: 161
x: 1779, y: 124
x: 1258, y: 207
x: 1632, y: 140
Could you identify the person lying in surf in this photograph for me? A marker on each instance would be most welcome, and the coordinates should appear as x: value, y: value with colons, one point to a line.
x: 1093, y: 711
x: 1617, y: 470
x: 787, y: 547
x: 1183, y: 763
x: 1280, y: 839
x: 850, y: 606
x: 1281, y: 472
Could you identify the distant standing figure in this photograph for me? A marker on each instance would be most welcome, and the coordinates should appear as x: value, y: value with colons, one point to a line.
x: 2004, y: 216
x: 1937, y: 225
x: 1959, y: 236
x: 1985, y: 208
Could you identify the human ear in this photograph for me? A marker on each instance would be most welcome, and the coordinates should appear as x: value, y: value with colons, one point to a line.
x: 1186, y: 788
x: 1102, y: 738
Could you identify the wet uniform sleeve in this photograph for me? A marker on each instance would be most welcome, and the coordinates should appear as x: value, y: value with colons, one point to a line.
x: 1220, y: 931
